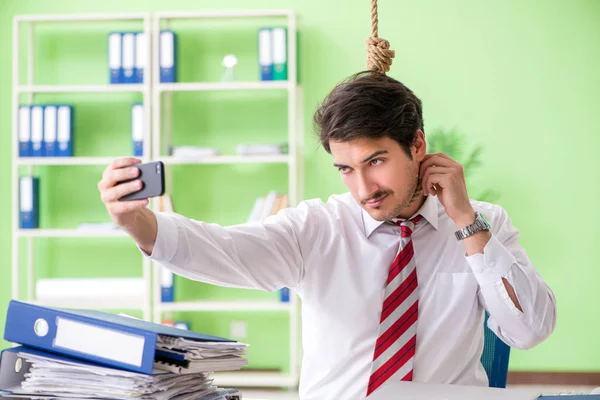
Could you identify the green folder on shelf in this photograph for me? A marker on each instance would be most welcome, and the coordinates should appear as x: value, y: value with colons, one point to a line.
x: 280, y: 65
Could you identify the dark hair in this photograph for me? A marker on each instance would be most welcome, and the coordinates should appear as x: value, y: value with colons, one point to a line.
x: 369, y: 105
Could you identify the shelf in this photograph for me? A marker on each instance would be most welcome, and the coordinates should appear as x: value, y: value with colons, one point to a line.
x: 225, y: 14
x: 250, y: 305
x: 82, y: 88
x: 80, y: 17
x: 222, y: 86
x: 106, y: 303
x: 267, y: 159
x: 67, y: 160
x: 69, y: 233
x: 254, y: 379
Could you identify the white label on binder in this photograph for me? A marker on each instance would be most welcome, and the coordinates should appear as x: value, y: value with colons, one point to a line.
x: 167, y: 52
x: 64, y: 124
x: 114, y: 50
x: 24, y: 127
x: 26, y: 197
x: 279, y: 46
x: 166, y: 277
x: 265, y: 54
x: 50, y: 124
x: 128, y: 50
x: 137, y: 121
x: 140, y: 50
x: 99, y: 342
x: 37, y: 126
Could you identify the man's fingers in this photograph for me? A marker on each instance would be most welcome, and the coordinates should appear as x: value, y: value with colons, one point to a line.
x: 115, y: 193
x: 124, y: 162
x: 434, y: 181
x: 434, y: 160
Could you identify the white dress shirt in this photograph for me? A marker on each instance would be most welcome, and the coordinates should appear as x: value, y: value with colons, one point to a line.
x: 336, y: 257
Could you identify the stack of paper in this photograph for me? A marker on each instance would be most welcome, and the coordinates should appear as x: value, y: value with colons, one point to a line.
x: 89, y: 354
x: 261, y: 149
x: 194, y: 152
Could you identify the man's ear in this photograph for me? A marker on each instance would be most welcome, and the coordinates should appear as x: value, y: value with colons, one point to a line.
x: 419, y: 148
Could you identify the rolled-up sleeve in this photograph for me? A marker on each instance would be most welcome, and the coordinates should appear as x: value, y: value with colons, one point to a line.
x: 503, y: 257
x: 268, y: 255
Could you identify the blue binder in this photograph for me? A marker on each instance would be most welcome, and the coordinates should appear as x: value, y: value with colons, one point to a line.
x: 128, y: 58
x: 64, y: 128
x: 141, y: 56
x: 50, y: 130
x: 25, y: 131
x: 29, y: 203
x: 137, y: 129
x: 265, y: 53
x: 167, y: 56
x: 115, y: 58
x: 37, y: 131
x: 167, y: 292
x: 95, y: 336
x: 284, y: 295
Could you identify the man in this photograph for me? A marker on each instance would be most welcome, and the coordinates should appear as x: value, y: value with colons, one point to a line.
x: 394, y: 276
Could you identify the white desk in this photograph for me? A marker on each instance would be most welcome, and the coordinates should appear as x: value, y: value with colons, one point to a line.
x: 419, y: 391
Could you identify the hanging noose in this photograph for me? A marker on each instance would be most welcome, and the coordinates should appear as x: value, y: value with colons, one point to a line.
x: 379, y: 55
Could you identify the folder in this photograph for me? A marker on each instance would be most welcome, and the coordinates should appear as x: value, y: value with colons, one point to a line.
x: 99, y: 337
x: 25, y: 131
x: 167, y: 56
x: 284, y: 295
x: 65, y: 131
x: 29, y: 204
x: 137, y: 129
x: 50, y: 128
x: 265, y: 54
x: 128, y: 57
x: 280, y: 66
x: 115, y: 58
x: 167, y: 292
x: 37, y: 131
x: 141, y: 56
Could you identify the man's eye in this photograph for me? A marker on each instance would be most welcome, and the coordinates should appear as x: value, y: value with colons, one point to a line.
x: 376, y: 161
x: 344, y: 170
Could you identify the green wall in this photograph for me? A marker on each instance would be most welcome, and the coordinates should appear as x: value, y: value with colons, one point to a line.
x: 518, y: 77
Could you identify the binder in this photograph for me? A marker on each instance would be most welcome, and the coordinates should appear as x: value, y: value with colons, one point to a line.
x: 137, y: 129
x: 50, y: 129
x: 280, y: 67
x: 141, y: 55
x: 115, y: 58
x: 37, y: 131
x: 29, y: 205
x: 167, y: 56
x: 265, y: 54
x: 65, y: 131
x: 25, y: 131
x: 128, y: 57
x: 98, y: 337
x: 284, y: 295
x: 167, y: 292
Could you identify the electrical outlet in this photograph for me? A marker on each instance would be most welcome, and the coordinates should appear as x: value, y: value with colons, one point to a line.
x: 238, y: 330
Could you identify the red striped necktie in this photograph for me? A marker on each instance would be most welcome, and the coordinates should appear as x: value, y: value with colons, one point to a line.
x: 395, y: 347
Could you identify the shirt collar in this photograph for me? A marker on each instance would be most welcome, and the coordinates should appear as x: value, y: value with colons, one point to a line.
x: 429, y: 211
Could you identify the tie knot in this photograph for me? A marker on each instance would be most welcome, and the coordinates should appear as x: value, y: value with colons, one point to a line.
x: 408, y: 226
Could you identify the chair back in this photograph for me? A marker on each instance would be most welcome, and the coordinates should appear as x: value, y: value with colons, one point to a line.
x: 494, y: 357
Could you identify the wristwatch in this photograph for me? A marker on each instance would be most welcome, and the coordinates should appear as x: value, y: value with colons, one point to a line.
x: 481, y: 224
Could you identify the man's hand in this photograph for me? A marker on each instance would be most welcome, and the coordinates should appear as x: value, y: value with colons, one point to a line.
x: 122, y: 213
x: 443, y: 177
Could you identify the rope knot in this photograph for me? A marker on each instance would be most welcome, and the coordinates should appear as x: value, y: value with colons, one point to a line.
x: 379, y: 55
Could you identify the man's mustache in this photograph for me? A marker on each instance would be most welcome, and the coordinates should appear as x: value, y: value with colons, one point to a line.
x: 376, y: 196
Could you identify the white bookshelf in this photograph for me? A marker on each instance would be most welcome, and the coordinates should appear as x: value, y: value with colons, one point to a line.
x: 266, y: 159
x: 161, y: 135
x: 121, y: 88
x: 25, y: 91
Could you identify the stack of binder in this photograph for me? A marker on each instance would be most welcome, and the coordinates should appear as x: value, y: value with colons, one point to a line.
x: 85, y: 354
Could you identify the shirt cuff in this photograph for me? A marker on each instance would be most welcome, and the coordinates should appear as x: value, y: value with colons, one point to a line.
x: 167, y: 238
x: 493, y: 264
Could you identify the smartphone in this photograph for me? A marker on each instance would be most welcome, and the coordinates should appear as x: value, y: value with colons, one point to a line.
x: 153, y: 181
